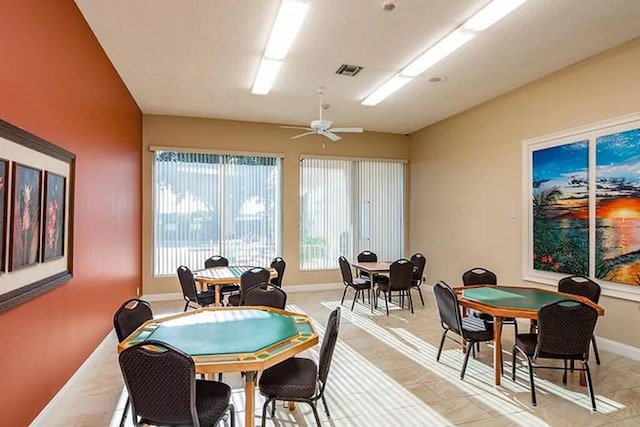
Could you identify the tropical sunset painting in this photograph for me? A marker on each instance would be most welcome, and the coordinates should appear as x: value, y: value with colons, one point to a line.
x: 618, y: 207
x: 560, y: 190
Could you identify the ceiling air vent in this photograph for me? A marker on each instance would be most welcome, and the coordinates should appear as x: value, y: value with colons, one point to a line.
x: 348, y: 70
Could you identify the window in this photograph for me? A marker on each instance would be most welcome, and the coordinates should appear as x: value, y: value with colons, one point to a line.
x: 347, y: 206
x: 206, y: 204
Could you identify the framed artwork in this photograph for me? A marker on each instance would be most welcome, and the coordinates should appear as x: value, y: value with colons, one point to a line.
x: 4, y: 169
x: 36, y: 215
x: 54, y: 202
x: 581, y: 206
x: 24, y: 243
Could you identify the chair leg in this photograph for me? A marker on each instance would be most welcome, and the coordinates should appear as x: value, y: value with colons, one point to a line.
x: 589, y: 384
x: 533, y: 386
x: 420, y: 293
x: 273, y: 408
x: 264, y: 413
x: 186, y: 306
x: 386, y: 303
x: 232, y: 415
x: 315, y: 413
x: 595, y: 349
x: 513, y: 363
x: 355, y: 297
x: 326, y: 408
x: 124, y: 413
x: 564, y: 372
x: 444, y: 334
x: 343, y: 295
x: 466, y: 359
x: 410, y: 300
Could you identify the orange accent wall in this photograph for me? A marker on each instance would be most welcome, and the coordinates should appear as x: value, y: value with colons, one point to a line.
x: 57, y: 83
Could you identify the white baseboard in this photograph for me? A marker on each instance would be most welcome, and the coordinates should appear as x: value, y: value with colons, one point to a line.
x: 618, y: 348
x: 75, y: 378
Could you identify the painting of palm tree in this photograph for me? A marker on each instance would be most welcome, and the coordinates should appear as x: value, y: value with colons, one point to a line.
x: 560, y: 193
x: 618, y: 206
x: 25, y: 232
x: 53, y: 216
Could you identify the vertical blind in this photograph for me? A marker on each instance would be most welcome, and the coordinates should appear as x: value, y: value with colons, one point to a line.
x: 347, y: 206
x: 206, y: 204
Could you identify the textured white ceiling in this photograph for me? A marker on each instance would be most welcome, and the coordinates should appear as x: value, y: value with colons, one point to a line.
x: 199, y: 57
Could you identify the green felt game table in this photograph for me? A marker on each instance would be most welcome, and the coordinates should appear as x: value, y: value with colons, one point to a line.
x: 232, y: 339
x: 510, y: 302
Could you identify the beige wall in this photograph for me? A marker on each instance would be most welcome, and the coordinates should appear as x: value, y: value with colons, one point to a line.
x: 467, y: 176
x: 255, y: 138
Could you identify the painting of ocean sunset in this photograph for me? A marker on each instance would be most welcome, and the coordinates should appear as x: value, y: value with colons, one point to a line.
x: 618, y: 206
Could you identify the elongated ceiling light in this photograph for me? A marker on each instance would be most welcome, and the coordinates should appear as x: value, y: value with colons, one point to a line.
x: 288, y: 21
x: 483, y: 19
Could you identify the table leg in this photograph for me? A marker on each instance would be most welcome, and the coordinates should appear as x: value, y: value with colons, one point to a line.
x: 371, y: 282
x: 249, y: 398
x: 497, y: 349
x: 217, y: 295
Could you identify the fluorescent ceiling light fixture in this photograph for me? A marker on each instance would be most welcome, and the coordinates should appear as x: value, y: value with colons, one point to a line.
x: 491, y: 13
x: 392, y: 85
x: 435, y: 54
x: 288, y: 22
x: 266, y: 75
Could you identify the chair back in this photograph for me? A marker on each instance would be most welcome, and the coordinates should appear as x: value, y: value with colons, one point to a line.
x: 267, y: 295
x: 448, y: 307
x: 418, y: 260
x: 328, y: 345
x: 367, y: 256
x: 216, y: 261
x: 345, y: 269
x: 250, y: 279
x: 187, y: 283
x: 400, y: 274
x: 161, y: 383
x: 130, y: 316
x: 565, y: 329
x: 278, y: 265
x: 479, y: 276
x: 580, y: 285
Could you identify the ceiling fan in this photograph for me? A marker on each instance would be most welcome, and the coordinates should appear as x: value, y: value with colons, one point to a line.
x: 322, y: 126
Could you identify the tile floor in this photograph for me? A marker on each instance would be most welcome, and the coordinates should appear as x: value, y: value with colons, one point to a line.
x: 384, y: 373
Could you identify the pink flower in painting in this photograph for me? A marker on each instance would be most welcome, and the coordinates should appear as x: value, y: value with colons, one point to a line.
x: 52, y: 214
x: 26, y: 201
x: 1, y: 182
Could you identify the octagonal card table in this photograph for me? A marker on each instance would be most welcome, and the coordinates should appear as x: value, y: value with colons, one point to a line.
x: 512, y: 302
x: 232, y: 339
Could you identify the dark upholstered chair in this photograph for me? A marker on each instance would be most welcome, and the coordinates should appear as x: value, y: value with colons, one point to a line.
x: 248, y: 280
x: 565, y: 329
x: 482, y: 276
x: 129, y: 317
x: 358, y: 284
x: 299, y: 379
x: 368, y: 256
x: 419, y: 261
x: 220, y: 261
x: 164, y: 391
x: 400, y: 274
x: 267, y: 295
x: 190, y: 292
x: 278, y: 265
x: 471, y: 329
x: 582, y: 286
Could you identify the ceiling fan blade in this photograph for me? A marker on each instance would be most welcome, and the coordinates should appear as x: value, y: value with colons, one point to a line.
x: 303, y: 134
x: 295, y: 127
x: 350, y: 130
x: 331, y: 136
